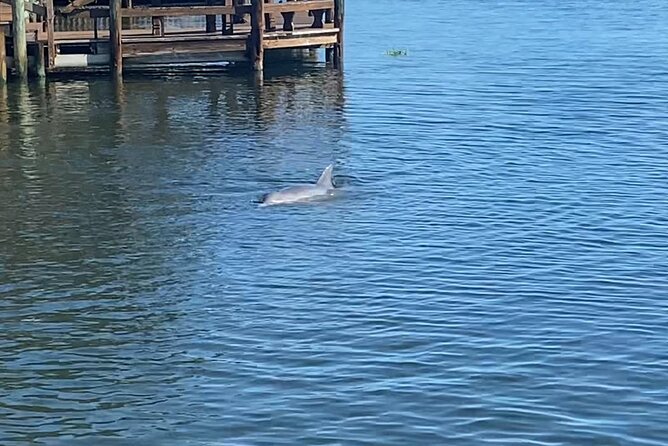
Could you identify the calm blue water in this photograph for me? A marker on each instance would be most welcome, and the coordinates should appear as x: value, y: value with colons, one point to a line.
x: 494, y: 272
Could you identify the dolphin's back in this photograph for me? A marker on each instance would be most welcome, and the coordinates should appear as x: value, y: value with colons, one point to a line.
x: 295, y: 193
x: 324, y: 187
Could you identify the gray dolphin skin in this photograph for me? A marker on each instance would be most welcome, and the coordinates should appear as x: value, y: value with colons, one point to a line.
x: 322, y: 189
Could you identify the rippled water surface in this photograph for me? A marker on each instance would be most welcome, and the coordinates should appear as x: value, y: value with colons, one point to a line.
x: 495, y: 270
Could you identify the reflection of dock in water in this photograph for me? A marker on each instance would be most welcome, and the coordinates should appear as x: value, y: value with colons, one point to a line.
x: 122, y: 35
x: 110, y: 145
x: 303, y: 110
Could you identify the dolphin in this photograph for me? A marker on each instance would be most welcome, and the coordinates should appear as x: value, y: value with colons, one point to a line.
x: 322, y: 189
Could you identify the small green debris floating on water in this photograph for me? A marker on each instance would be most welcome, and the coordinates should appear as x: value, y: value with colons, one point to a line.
x: 396, y: 52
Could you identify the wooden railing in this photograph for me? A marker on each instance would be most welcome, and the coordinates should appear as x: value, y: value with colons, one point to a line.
x: 320, y: 10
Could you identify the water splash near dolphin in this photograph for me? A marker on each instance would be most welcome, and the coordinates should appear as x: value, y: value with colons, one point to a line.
x: 323, y: 189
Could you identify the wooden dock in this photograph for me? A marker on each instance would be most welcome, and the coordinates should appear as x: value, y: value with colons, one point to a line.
x: 45, y: 37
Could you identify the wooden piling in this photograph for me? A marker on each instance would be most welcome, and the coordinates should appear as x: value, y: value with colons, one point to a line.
x: 3, y: 58
x: 115, y: 38
x: 339, y: 15
x: 256, y: 45
x: 20, y: 42
x: 51, y: 42
x: 40, y: 68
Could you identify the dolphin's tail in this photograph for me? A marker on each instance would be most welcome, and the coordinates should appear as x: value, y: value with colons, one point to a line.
x: 326, y: 177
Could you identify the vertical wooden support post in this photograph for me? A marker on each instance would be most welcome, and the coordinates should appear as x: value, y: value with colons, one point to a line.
x: 158, y: 23
x: 115, y: 38
x: 40, y: 66
x: 237, y: 18
x: 50, y: 41
x: 268, y: 20
x: 158, y: 26
x: 317, y: 18
x: 211, y: 23
x: 288, y: 21
x: 127, y: 21
x: 3, y: 58
x: 223, y: 20
x: 210, y: 19
x: 339, y: 14
x: 20, y: 42
x: 256, y: 46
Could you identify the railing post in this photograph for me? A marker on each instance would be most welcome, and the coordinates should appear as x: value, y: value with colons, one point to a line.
x: 339, y: 15
x: 51, y: 43
x: 256, y: 46
x: 268, y: 20
x: 223, y: 20
x: 158, y: 23
x: 20, y: 42
x: 116, y: 38
x: 210, y: 20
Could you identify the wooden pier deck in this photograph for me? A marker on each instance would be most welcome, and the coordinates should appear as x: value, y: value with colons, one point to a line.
x: 121, y: 36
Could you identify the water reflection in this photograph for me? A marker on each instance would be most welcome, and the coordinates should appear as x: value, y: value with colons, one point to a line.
x: 110, y: 195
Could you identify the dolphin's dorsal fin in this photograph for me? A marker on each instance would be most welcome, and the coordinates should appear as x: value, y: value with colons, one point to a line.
x: 326, y: 178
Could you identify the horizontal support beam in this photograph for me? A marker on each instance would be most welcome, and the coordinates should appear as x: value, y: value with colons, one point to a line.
x: 300, y: 42
x: 172, y: 38
x: 144, y: 49
x: 298, y: 6
x: 178, y: 11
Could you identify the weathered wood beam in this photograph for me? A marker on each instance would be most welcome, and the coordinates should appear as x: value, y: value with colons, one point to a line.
x: 339, y: 15
x: 51, y: 42
x: 20, y: 42
x: 180, y: 47
x: 115, y: 38
x: 306, y: 41
x: 256, y: 46
x: 176, y: 11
